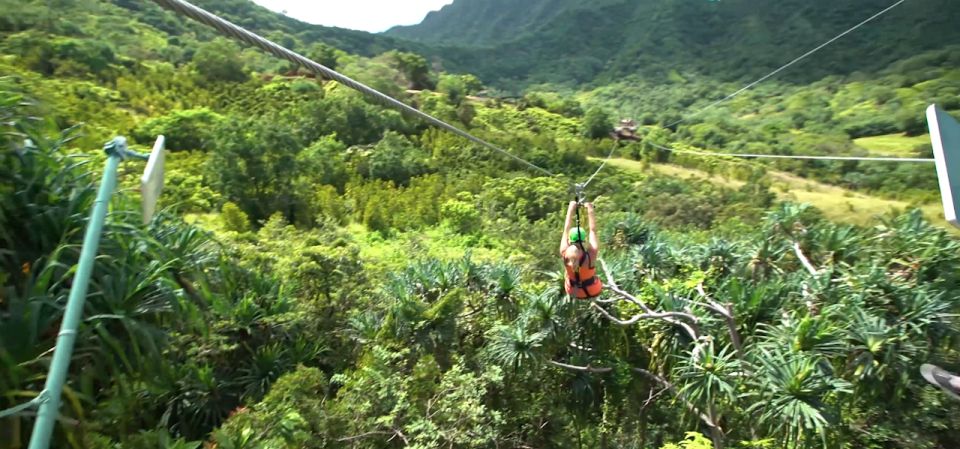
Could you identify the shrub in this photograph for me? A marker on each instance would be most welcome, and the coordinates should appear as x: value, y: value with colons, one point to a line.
x: 460, y: 216
x: 694, y: 440
x: 596, y: 124
x: 234, y: 219
x: 191, y: 129
x: 219, y: 61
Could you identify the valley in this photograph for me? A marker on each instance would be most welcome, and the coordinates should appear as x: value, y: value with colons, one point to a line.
x: 327, y: 272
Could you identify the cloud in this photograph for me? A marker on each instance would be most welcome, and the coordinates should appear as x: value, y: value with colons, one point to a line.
x: 366, y: 15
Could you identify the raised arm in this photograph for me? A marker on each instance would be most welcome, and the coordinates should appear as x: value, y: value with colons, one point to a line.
x: 592, y: 219
x: 564, y: 243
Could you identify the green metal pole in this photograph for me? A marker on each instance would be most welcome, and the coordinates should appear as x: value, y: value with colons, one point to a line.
x: 50, y: 402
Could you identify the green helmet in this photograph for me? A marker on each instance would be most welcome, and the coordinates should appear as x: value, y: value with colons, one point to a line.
x: 577, y: 235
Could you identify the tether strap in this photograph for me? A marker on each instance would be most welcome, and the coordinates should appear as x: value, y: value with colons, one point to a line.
x: 579, y: 244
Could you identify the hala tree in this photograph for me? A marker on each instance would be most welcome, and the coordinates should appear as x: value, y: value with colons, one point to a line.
x: 789, y: 358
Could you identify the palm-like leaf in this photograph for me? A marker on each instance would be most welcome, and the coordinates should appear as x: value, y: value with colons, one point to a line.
x: 655, y: 260
x: 547, y: 311
x: 708, y: 377
x: 790, y: 395
x: 839, y: 244
x: 195, y: 398
x: 505, y: 280
x: 265, y: 366
x: 720, y: 255
x: 364, y: 326
x: 513, y: 345
x: 817, y: 335
x: 762, y: 258
x: 877, y: 349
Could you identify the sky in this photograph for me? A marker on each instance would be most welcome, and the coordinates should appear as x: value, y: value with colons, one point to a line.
x: 366, y: 15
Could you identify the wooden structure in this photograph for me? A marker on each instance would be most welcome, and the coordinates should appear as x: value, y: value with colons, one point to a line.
x: 627, y: 130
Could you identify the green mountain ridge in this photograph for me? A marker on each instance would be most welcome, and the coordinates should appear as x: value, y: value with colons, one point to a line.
x: 278, y: 27
x: 485, y: 23
x: 572, y: 42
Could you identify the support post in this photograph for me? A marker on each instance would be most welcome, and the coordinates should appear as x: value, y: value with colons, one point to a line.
x: 49, y: 409
x: 945, y: 139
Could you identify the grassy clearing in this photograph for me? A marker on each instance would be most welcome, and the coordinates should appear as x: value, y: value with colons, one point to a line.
x: 892, y: 144
x: 677, y: 172
x: 391, y: 254
x: 837, y: 203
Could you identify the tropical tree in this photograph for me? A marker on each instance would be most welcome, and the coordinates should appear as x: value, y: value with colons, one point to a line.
x: 596, y: 123
x: 219, y: 60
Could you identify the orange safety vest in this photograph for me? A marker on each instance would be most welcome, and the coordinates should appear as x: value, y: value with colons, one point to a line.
x: 589, y: 285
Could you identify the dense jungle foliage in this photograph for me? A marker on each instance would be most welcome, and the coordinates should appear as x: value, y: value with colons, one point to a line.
x: 326, y: 273
x: 569, y: 41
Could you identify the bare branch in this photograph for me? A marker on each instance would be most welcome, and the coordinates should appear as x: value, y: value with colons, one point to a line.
x: 671, y: 317
x: 610, y: 280
x: 398, y: 433
x: 709, y: 421
x: 711, y: 304
x: 582, y: 369
x: 727, y: 312
x: 612, y: 285
x: 367, y: 434
x: 643, y: 316
x: 803, y: 259
x: 653, y: 397
x: 669, y: 386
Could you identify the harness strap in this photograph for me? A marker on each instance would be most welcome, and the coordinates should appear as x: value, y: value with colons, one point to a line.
x: 584, y: 284
x: 584, y: 257
x: 576, y: 272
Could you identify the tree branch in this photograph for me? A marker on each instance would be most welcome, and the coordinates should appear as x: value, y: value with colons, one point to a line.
x: 692, y: 329
x: 803, y: 259
x: 393, y: 434
x: 669, y: 386
x: 726, y: 311
x: 612, y: 285
x: 582, y: 369
x: 642, y: 316
x: 660, y: 380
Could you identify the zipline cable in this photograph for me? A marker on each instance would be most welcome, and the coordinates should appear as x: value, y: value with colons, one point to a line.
x: 604, y: 164
x: 788, y: 65
x: 784, y: 156
x: 762, y: 79
x: 229, y: 29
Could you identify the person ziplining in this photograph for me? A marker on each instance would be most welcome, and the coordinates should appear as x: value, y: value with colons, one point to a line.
x: 579, y: 250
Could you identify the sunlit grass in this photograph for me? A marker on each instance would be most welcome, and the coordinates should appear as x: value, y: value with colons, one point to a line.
x: 892, y: 144
x: 395, y: 252
x: 836, y: 203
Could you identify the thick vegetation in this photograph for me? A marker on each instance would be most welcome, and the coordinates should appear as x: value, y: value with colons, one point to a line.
x: 330, y: 274
x: 821, y: 118
x: 570, y: 42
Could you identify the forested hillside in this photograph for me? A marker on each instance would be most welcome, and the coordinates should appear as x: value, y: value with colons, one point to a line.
x: 327, y: 273
x: 562, y: 41
x: 484, y: 23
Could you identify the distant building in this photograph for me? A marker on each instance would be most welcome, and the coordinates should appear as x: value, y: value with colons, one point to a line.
x: 626, y: 131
